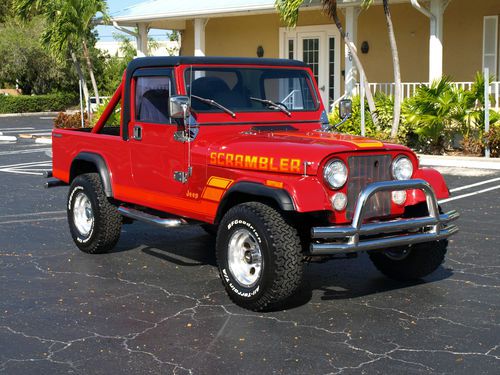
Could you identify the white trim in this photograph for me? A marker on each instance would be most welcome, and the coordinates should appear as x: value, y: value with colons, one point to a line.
x: 324, y: 33
x: 496, y: 68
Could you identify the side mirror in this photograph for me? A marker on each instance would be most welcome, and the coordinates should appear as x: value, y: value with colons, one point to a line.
x: 179, y: 106
x: 345, y: 108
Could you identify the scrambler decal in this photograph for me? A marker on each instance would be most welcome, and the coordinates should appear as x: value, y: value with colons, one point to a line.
x: 263, y: 163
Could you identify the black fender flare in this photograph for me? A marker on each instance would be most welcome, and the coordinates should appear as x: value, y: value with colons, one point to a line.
x: 101, y: 166
x: 254, y: 189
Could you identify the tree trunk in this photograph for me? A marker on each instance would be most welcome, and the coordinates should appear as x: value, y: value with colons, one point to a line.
x: 91, y: 71
x: 78, y: 68
x: 397, y: 71
x: 332, y: 10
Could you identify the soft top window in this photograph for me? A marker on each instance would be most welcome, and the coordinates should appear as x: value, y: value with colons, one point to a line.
x: 151, y: 99
x: 239, y: 89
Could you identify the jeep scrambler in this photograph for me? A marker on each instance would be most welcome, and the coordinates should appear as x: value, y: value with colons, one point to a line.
x: 243, y: 147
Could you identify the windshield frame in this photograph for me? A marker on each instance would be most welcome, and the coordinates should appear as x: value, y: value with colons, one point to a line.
x: 311, y: 84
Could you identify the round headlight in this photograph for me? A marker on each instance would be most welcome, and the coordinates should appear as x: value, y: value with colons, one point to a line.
x: 402, y: 168
x: 335, y: 173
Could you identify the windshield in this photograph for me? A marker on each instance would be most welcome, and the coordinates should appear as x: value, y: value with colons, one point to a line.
x: 239, y: 89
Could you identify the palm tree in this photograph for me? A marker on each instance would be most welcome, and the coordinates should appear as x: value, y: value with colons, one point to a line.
x: 289, y: 13
x: 67, y: 29
x: 395, y: 64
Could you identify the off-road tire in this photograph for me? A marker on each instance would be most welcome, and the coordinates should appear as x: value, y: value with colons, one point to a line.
x: 107, y: 222
x: 421, y: 260
x: 282, y: 265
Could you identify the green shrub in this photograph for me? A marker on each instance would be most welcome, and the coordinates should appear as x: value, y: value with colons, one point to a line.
x: 492, y: 138
x: 36, y: 103
x: 114, y: 118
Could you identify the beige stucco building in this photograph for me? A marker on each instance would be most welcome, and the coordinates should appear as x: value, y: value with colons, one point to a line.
x: 456, y: 38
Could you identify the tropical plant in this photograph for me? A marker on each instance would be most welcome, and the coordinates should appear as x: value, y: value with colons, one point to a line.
x: 67, y: 31
x: 289, y: 13
x: 432, y: 110
x: 25, y: 63
x: 395, y: 64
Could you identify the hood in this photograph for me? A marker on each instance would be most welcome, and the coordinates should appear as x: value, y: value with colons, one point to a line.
x: 287, y: 151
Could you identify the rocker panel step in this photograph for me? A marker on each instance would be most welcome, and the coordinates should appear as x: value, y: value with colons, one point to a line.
x: 152, y: 219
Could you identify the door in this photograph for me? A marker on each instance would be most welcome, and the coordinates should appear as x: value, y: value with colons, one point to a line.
x: 156, y: 155
x: 319, y: 48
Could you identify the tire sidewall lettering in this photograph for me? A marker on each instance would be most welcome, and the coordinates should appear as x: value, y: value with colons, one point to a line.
x: 247, y: 293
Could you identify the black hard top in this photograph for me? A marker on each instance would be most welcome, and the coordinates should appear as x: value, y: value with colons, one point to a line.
x: 157, y: 61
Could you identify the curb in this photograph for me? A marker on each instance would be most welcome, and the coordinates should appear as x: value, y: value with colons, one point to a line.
x: 45, y: 141
x: 459, y: 162
x: 27, y: 114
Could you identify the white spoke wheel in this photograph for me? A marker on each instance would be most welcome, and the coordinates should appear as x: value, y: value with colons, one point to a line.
x: 259, y: 256
x: 94, y: 222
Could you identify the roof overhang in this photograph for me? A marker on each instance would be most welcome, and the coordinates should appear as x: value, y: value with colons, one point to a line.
x: 172, y: 14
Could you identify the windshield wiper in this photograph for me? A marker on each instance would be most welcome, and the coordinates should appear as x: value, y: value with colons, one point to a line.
x: 270, y: 103
x: 213, y: 103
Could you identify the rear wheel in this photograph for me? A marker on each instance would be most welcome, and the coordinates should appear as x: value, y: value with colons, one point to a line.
x: 94, y: 222
x: 259, y: 256
x: 411, y: 262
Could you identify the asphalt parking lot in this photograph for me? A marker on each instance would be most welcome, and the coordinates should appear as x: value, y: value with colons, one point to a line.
x: 156, y: 304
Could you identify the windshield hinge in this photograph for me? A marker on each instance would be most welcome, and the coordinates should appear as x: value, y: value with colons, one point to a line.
x: 183, y: 177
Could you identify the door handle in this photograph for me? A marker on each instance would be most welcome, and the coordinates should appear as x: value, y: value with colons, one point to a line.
x: 137, y: 132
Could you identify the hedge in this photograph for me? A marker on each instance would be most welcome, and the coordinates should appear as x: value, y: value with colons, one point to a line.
x: 37, y: 103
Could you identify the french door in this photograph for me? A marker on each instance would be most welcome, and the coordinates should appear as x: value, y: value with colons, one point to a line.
x: 319, y: 47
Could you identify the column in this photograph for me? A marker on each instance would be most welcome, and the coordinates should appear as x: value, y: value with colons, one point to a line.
x: 351, y: 73
x: 199, y: 36
x: 142, y: 39
x: 436, y: 40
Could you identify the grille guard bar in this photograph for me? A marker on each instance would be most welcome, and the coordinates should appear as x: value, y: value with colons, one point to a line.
x: 434, y: 226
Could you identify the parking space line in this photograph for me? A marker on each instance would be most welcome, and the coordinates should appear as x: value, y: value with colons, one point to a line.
x: 31, y: 164
x: 32, y: 214
x: 33, y: 220
x: 469, y: 194
x: 474, y: 185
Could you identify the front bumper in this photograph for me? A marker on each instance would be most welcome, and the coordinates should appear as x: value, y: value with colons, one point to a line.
x: 386, y: 234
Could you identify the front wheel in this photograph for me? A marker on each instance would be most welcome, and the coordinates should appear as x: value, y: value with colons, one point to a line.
x: 94, y: 222
x: 410, y: 263
x: 259, y: 256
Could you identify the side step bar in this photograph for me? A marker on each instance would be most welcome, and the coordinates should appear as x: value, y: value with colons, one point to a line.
x: 151, y: 219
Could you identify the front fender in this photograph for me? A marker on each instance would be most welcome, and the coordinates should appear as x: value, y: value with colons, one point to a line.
x: 437, y: 182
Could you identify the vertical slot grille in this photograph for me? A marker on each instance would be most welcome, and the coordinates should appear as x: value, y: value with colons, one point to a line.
x: 364, y: 170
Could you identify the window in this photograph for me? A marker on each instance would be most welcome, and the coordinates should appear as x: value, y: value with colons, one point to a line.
x: 239, y: 89
x: 490, y: 45
x: 151, y: 99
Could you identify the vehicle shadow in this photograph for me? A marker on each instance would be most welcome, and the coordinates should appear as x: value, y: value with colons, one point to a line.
x: 341, y: 279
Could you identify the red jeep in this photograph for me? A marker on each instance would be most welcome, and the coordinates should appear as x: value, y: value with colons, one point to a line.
x: 243, y: 147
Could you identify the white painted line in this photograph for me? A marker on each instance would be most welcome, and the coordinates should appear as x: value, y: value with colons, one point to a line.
x: 32, y: 220
x: 24, y: 151
x: 32, y: 164
x: 469, y: 194
x: 8, y: 138
x: 33, y: 214
x: 47, y: 118
x: 474, y: 185
x: 17, y: 171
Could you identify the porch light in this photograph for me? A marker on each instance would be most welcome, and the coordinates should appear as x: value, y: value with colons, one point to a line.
x: 260, y: 51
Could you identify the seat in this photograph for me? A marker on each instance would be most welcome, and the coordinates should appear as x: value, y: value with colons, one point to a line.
x: 154, y: 106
